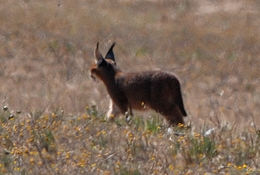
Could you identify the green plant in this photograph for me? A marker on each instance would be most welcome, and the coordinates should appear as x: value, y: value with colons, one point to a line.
x: 125, y: 171
x: 92, y: 111
x: 199, y: 148
x: 153, y: 125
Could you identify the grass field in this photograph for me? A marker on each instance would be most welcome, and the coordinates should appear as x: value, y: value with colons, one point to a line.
x: 52, y: 113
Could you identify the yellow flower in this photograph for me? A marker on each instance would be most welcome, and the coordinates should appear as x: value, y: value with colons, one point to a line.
x: 14, y: 128
x: 239, y: 167
x: 32, y: 160
x: 160, y: 135
x: 111, y: 116
x: 78, y: 129
x: 155, y: 171
x: 40, y: 163
x: 130, y: 136
x: 201, y: 156
x: 53, y: 115
x: 81, y: 163
x: 106, y: 173
x: 171, y: 167
x: 67, y: 155
x: 229, y: 164
x: 16, y: 169
x: 118, y: 163
x: 45, y: 117
x: 220, y: 147
x: 84, y: 116
x: 196, y: 134
x: 103, y: 132
x: 153, y: 157
x: 98, y: 133
x: 180, y: 139
x: 26, y: 151
x: 33, y: 153
x: 180, y: 125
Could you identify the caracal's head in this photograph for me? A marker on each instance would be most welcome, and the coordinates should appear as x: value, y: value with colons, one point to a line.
x: 104, y: 68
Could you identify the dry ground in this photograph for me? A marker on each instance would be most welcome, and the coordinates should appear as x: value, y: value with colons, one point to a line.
x: 46, y: 50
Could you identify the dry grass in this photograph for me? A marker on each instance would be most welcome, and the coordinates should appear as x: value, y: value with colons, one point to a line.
x: 57, y: 143
x: 46, y: 49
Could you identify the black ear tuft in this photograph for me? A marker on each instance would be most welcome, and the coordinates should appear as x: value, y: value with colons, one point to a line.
x: 110, y: 54
x: 97, y: 53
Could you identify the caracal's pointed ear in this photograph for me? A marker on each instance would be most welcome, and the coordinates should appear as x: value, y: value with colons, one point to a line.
x: 110, y: 54
x: 98, y: 55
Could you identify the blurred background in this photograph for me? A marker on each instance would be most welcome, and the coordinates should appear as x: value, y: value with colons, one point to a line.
x: 213, y: 46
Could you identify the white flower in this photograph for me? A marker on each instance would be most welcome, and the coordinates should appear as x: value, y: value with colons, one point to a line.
x: 209, y: 132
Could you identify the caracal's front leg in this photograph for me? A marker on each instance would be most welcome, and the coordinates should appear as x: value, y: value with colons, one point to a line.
x: 113, y: 111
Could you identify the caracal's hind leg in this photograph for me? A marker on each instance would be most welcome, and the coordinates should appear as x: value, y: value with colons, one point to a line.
x: 176, y: 116
x: 171, y: 113
x: 129, y: 114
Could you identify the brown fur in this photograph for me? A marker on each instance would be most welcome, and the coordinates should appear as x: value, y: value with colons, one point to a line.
x: 157, y: 90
